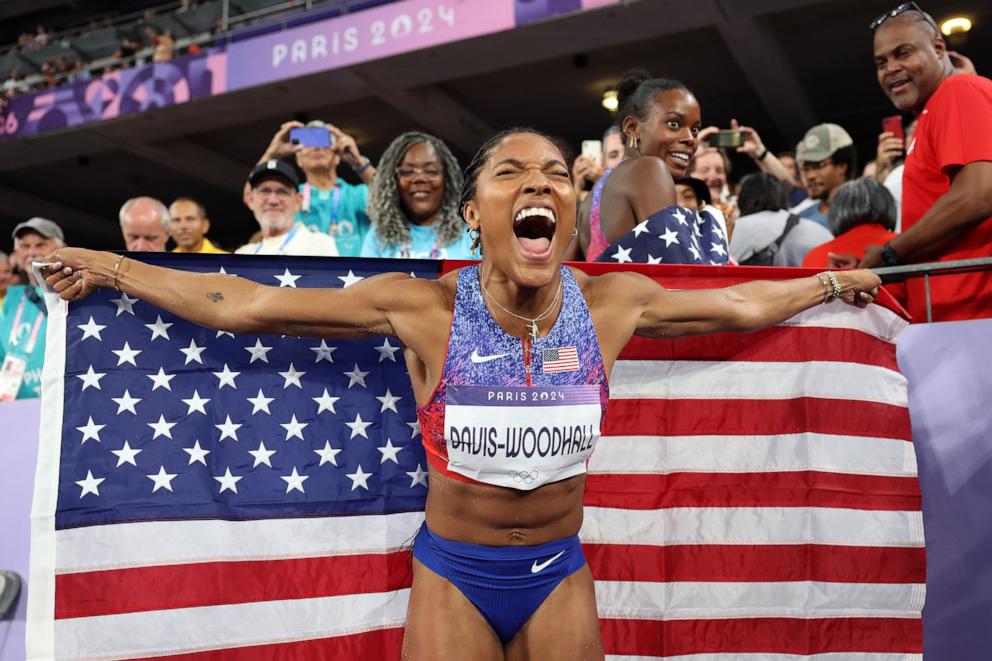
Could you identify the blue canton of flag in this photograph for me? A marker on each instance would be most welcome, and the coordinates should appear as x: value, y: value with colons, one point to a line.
x: 166, y: 420
x: 674, y: 235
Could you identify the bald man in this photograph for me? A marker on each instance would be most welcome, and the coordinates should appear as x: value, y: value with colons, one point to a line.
x: 144, y: 224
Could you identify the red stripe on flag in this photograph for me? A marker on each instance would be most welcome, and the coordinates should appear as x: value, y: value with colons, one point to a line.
x: 368, y: 646
x: 763, y: 635
x: 756, y: 563
x: 776, y: 344
x: 115, y: 591
x: 773, y: 489
x: 686, y: 417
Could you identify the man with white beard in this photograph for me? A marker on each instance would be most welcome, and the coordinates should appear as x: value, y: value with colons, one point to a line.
x: 275, y: 200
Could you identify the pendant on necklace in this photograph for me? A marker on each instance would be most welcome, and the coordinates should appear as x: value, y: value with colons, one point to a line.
x: 533, y: 329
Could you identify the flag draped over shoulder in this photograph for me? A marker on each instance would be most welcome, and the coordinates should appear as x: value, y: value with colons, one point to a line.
x: 673, y: 235
x: 203, y: 495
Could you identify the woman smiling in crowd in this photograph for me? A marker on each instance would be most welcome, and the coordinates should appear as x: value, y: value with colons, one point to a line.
x: 413, y: 202
x: 498, y: 571
x: 660, y: 119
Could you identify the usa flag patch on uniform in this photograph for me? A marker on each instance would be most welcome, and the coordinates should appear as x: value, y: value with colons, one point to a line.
x: 559, y: 359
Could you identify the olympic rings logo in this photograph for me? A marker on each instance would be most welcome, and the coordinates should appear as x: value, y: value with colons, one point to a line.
x: 527, y: 477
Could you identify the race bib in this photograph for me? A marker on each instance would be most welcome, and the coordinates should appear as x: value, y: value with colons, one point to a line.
x: 521, y: 437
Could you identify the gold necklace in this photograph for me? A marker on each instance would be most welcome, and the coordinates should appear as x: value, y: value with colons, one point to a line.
x: 532, y: 322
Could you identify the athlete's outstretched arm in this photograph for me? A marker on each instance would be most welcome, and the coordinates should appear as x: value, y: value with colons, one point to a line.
x: 746, y: 307
x: 235, y: 304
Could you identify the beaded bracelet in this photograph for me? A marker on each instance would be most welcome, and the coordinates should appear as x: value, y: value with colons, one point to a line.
x: 117, y: 272
x: 827, y: 289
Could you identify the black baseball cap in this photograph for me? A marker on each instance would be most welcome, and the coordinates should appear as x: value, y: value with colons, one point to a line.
x: 698, y: 185
x: 274, y: 168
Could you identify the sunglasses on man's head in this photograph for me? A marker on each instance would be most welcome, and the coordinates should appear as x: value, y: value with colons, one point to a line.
x: 901, y: 9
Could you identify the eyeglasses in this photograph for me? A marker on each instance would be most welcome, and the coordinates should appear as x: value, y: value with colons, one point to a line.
x: 431, y: 172
x: 901, y: 9
x: 281, y: 193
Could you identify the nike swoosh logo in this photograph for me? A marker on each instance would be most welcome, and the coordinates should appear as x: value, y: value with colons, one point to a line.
x: 476, y: 358
x: 538, y: 566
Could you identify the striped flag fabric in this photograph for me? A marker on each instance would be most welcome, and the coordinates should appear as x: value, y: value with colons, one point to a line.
x: 208, y: 496
x: 559, y: 359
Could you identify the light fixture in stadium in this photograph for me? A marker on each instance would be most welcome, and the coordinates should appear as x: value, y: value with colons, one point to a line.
x: 610, y: 100
x: 955, y: 25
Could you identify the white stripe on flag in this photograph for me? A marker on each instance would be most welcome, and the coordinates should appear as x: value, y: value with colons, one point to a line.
x: 115, y: 546
x: 660, y: 455
x: 753, y: 525
x: 874, y: 320
x: 789, y: 599
x: 680, y: 379
x: 235, y: 625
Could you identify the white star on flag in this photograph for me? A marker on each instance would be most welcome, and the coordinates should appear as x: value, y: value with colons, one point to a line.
x: 260, y: 402
x: 90, y: 430
x: 261, y: 455
x: 679, y: 216
x: 294, y: 428
x: 328, y: 455
x: 414, y: 428
x: 162, y: 428
x: 325, y: 402
x: 161, y: 380
x: 324, y: 352
x: 640, y: 228
x: 292, y: 377
x: 389, y: 452
x: 221, y: 333
x: 91, y: 329
x: 622, y: 255
x: 162, y: 479
x: 90, y: 484
x: 196, y: 403
x: 418, y: 476
x: 388, y: 401
x: 159, y: 328
x: 227, y: 377
x: 126, y: 455
x: 126, y: 403
x: 718, y: 248
x: 126, y: 354
x: 695, y: 252
x: 669, y: 237
x: 653, y: 260
x: 359, y: 478
x: 356, y: 376
x: 287, y: 279
x: 358, y: 426
x: 350, y: 279
x: 294, y: 481
x: 258, y: 352
x: 387, y: 350
x: 192, y: 352
x: 124, y: 304
x: 197, y: 454
x: 228, y: 429
x: 228, y: 481
x: 91, y: 378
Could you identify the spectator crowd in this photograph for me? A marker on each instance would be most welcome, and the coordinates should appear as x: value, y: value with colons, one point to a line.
x: 655, y: 188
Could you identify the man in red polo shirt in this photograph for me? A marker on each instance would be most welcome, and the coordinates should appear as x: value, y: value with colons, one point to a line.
x: 947, y: 182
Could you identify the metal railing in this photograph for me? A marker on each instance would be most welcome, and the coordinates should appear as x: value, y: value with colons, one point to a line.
x: 930, y: 269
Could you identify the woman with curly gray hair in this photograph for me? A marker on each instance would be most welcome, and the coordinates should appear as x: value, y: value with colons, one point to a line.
x: 413, y: 202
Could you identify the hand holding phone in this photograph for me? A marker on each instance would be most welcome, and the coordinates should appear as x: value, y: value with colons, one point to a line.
x: 311, y: 136
x: 593, y: 149
x: 893, y: 124
x: 727, y: 138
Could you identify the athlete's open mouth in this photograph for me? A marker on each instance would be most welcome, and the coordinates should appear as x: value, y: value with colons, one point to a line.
x: 534, y: 228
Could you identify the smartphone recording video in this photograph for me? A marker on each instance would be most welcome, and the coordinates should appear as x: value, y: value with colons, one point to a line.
x: 311, y: 136
x: 726, y: 138
x: 593, y: 149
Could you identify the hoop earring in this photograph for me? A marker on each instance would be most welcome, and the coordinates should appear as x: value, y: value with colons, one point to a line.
x: 632, y: 142
x: 575, y: 232
x: 473, y: 233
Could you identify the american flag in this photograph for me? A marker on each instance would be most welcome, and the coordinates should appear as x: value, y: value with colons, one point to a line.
x: 559, y: 359
x: 674, y: 235
x: 204, y: 496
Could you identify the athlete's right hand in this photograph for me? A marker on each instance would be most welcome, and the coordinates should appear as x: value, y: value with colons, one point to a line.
x: 75, y: 273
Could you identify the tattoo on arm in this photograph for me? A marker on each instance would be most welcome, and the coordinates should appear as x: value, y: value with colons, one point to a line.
x: 215, y: 296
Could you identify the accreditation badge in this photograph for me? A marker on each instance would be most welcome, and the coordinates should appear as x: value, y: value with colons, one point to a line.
x: 521, y: 437
x: 11, y: 376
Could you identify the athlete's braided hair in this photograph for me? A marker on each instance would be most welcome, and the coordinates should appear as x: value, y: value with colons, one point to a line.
x: 479, y: 161
x: 390, y: 223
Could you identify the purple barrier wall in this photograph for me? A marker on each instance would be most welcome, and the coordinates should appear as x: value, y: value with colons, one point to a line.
x: 949, y: 367
x: 18, y: 454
